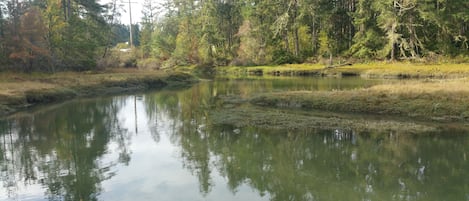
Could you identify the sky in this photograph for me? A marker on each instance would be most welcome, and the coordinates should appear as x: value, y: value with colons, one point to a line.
x: 136, y: 10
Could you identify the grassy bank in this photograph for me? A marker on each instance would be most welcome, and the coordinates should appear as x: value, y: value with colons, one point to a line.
x: 440, y: 100
x: 367, y: 70
x: 18, y: 91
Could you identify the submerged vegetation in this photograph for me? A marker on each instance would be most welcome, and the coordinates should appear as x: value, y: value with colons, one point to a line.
x: 249, y: 116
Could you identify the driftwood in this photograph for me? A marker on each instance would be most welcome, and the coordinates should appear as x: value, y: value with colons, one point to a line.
x: 338, y: 65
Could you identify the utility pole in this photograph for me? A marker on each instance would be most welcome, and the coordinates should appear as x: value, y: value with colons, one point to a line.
x: 131, y: 38
x: 131, y: 34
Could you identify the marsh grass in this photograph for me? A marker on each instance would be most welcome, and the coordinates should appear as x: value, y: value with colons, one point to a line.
x: 441, y: 93
x: 246, y: 115
x: 18, y: 90
x: 368, y: 70
x: 289, y: 69
x: 441, y: 100
x: 410, y: 70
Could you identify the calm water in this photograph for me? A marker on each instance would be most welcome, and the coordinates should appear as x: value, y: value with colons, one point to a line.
x: 163, y: 146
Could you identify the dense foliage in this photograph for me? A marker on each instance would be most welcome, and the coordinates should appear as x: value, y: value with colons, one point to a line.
x: 246, y: 32
x: 51, y: 35
x: 75, y: 34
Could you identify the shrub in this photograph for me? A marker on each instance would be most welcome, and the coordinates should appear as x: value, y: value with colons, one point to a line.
x: 283, y: 57
x: 149, y: 64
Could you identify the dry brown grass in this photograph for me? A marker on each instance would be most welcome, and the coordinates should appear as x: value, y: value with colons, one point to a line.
x: 455, y: 86
x: 374, y: 69
x: 15, y: 88
x: 442, y: 100
x: 18, y: 83
x: 18, y: 89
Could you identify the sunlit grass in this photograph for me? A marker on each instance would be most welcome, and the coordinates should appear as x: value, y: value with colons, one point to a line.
x: 19, y: 82
x: 21, y: 89
x: 290, y: 69
x: 455, y: 86
x: 413, y: 70
x: 443, y: 100
x: 375, y: 69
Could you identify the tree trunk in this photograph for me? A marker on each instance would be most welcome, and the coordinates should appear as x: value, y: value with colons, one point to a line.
x: 286, y: 41
x: 392, y: 51
x: 393, y: 46
x: 67, y: 6
x: 297, y: 43
x: 295, y: 28
x: 314, y: 41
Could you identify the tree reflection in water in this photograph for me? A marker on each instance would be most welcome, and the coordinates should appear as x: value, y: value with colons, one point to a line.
x: 59, y: 149
x: 315, y: 164
x: 62, y: 150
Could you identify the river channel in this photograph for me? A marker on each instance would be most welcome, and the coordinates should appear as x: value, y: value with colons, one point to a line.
x: 168, y: 145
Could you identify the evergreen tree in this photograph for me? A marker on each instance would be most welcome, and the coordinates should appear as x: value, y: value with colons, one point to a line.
x: 368, y: 37
x: 56, y: 35
x: 148, y: 26
x: 72, y: 27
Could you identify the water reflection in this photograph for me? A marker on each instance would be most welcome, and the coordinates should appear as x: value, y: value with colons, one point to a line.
x: 58, y: 150
x: 158, y: 145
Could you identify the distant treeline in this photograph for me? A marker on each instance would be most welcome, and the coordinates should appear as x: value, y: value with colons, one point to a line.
x: 76, y: 34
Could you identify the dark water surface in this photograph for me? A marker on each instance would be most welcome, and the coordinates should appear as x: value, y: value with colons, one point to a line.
x: 163, y: 146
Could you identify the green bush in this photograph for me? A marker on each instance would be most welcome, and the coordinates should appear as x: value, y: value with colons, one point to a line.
x: 283, y: 57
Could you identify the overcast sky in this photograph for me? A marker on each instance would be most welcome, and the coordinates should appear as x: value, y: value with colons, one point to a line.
x: 136, y: 10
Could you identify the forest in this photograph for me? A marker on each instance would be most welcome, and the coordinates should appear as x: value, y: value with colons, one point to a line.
x: 62, y: 35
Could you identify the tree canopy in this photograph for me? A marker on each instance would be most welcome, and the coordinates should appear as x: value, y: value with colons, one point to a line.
x: 284, y: 31
x: 55, y: 35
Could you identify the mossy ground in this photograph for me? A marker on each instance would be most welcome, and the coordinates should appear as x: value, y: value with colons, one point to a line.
x: 18, y: 90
